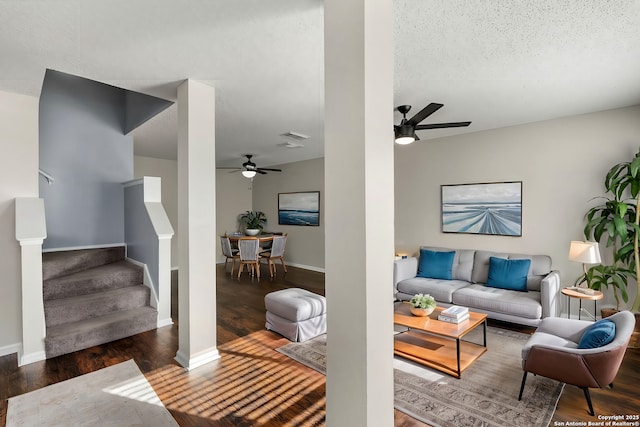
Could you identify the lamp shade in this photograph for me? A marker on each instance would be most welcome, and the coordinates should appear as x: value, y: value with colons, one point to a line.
x: 584, y: 252
x: 248, y: 174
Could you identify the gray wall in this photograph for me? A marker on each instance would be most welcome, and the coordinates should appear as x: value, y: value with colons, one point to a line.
x: 305, y: 245
x: 141, y: 237
x: 83, y: 147
x: 561, y: 163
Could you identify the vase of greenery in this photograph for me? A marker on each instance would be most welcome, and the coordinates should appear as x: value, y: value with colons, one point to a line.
x: 253, y: 222
x: 422, y: 305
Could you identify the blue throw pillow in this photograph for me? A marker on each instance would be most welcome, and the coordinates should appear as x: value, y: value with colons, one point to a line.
x: 435, y: 264
x: 508, y: 273
x: 600, y: 333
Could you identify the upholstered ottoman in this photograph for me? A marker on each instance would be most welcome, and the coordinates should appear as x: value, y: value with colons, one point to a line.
x: 296, y: 314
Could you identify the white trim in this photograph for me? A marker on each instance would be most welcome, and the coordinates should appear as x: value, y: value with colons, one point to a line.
x: 303, y: 266
x: 174, y: 268
x: 25, y: 359
x: 146, y: 280
x: 204, y: 357
x: 10, y: 349
x: 77, y: 248
x: 132, y: 182
x: 27, y: 242
x: 164, y: 322
x: 306, y: 267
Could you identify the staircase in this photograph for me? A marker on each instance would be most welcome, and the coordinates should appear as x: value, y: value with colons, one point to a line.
x: 92, y: 297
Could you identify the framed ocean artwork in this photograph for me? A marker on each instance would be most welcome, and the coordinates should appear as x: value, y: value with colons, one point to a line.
x: 302, y: 208
x: 488, y: 208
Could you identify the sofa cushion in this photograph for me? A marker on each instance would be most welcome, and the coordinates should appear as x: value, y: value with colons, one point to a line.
x: 540, y: 267
x: 462, y: 262
x: 435, y: 264
x: 522, y: 304
x: 600, y: 333
x: 508, y: 273
x: 441, y: 290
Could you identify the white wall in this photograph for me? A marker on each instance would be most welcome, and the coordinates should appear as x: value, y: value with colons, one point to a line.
x: 167, y: 170
x: 233, y: 197
x: 19, y: 178
x: 561, y: 163
x: 232, y: 189
x: 305, y: 245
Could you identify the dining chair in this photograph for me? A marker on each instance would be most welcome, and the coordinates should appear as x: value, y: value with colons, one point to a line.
x: 249, y: 248
x: 276, y: 252
x: 229, y: 253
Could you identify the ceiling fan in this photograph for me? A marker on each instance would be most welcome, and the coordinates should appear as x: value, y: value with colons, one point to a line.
x: 249, y: 169
x: 405, y: 132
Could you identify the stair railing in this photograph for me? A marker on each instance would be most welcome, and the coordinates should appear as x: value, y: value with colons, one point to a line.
x: 46, y: 176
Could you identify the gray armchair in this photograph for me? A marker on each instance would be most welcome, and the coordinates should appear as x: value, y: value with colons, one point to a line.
x: 552, y: 351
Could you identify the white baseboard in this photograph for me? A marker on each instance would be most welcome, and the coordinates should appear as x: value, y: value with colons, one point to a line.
x: 10, y: 349
x: 303, y: 266
x: 25, y: 359
x: 77, y: 248
x: 196, y: 361
x: 164, y: 322
x: 306, y: 267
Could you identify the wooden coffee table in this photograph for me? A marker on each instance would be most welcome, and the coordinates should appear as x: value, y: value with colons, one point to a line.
x: 438, y: 344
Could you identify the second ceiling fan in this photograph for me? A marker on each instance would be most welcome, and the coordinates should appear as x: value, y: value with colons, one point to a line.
x: 405, y: 132
x: 250, y: 169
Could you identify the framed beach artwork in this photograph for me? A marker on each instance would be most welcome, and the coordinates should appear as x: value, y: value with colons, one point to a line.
x: 489, y: 208
x: 301, y: 208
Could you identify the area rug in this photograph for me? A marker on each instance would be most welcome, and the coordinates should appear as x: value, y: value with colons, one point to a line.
x: 119, y: 395
x: 486, y: 395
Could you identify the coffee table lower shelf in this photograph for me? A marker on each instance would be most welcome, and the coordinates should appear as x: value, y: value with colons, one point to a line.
x: 437, y: 352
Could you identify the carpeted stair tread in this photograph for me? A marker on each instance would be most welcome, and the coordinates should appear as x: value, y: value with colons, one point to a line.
x: 75, y: 336
x: 109, y: 276
x: 81, y: 307
x: 56, y: 264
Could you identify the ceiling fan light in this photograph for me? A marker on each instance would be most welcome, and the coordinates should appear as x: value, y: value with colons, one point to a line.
x: 248, y: 174
x: 405, y: 134
x: 404, y: 140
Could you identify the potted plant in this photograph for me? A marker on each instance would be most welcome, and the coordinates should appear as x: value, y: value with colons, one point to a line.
x: 422, y: 304
x: 253, y: 222
x: 618, y: 218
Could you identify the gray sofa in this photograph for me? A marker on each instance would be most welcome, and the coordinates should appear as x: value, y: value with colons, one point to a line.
x: 467, y: 288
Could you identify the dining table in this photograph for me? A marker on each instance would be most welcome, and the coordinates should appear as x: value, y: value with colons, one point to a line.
x: 264, y: 238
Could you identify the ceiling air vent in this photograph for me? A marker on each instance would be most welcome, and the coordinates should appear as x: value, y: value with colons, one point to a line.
x: 295, y: 136
x: 291, y: 144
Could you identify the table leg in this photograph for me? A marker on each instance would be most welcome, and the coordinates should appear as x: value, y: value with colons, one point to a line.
x: 568, y: 307
x: 484, y: 331
x: 580, y: 308
x: 458, y: 354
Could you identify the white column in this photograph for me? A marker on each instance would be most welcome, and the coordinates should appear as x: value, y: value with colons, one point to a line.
x: 196, y: 225
x: 359, y: 207
x: 31, y: 230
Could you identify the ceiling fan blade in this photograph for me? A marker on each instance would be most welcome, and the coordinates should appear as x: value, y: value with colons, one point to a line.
x: 424, y: 113
x: 443, y: 125
x: 260, y: 171
x: 268, y: 169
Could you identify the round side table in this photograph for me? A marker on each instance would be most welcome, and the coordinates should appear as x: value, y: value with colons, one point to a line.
x: 573, y: 292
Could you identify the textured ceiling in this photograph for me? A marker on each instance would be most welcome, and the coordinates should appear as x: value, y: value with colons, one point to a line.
x: 494, y: 62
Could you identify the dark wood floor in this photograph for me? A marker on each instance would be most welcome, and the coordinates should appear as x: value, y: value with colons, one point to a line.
x: 251, y: 384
